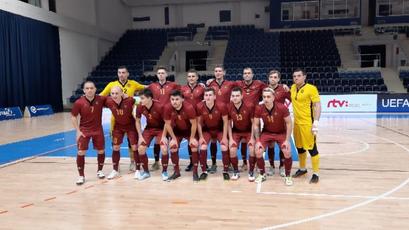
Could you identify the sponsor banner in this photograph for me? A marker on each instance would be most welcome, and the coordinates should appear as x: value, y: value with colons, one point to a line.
x: 393, y: 102
x: 10, y: 113
x: 38, y: 110
x: 349, y: 103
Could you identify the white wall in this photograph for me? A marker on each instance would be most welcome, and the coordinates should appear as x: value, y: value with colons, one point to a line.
x: 79, y: 53
x: 82, y: 10
x: 242, y: 12
x: 113, y: 16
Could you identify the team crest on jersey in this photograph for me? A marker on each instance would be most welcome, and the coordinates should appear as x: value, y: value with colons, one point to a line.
x: 96, y: 102
x: 128, y: 85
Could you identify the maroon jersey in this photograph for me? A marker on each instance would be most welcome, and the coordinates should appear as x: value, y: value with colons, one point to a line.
x: 212, y: 117
x: 280, y: 94
x: 241, y: 117
x: 90, y: 112
x: 223, y: 90
x: 122, y: 112
x: 180, y: 119
x: 273, y: 119
x: 154, y: 115
x: 161, y: 93
x: 252, y: 92
x: 193, y: 95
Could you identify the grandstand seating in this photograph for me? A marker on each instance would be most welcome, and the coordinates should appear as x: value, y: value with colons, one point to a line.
x: 314, y: 51
x: 404, y: 76
x: 139, y: 50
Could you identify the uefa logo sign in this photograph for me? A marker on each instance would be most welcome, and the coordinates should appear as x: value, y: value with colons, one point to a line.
x: 33, y: 109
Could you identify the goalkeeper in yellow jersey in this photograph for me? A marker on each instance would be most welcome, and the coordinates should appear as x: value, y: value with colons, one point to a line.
x: 307, y: 111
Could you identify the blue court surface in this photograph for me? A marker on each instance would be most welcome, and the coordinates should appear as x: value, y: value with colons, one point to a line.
x: 63, y: 144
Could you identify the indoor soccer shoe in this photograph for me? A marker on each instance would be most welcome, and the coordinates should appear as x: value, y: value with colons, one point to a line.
x: 226, y: 176
x: 314, y: 179
x: 113, y: 174
x: 270, y: 172
x: 195, y: 177
x: 288, y: 181
x: 299, y: 173
x: 282, y: 172
x: 203, y: 176
x: 251, y: 177
x: 80, y: 181
x: 165, y: 176
x: 100, y: 174
x: 189, y: 168
x: 144, y: 175
x: 137, y: 174
x: 155, y: 166
x: 260, y: 178
x: 235, y: 176
x: 174, y: 176
x: 213, y: 169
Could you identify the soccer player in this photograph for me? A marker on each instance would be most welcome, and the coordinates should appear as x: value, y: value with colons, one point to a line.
x: 212, y: 125
x: 277, y: 128
x: 161, y: 92
x: 307, y: 111
x: 241, y: 116
x: 89, y: 108
x: 153, y: 112
x: 281, y: 94
x: 223, y: 90
x: 121, y: 109
x: 251, y: 91
x: 193, y: 93
x: 129, y: 87
x: 180, y: 122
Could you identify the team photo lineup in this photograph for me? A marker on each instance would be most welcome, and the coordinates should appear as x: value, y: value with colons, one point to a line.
x: 204, y: 114
x: 247, y: 113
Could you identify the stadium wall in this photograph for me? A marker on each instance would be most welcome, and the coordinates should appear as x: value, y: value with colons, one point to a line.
x: 88, y: 29
x: 242, y: 12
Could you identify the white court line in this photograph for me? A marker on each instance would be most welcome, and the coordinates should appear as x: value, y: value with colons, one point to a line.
x: 331, y: 195
x: 346, y: 209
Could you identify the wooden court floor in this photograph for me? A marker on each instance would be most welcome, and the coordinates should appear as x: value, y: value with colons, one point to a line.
x: 364, y: 185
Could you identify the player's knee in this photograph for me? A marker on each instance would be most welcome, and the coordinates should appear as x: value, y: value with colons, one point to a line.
x: 116, y: 147
x: 203, y: 147
x: 300, y: 150
x: 313, y: 151
x: 141, y: 149
x: 223, y: 147
x: 102, y: 151
x: 287, y: 154
x: 233, y: 150
x: 134, y: 147
x: 81, y: 152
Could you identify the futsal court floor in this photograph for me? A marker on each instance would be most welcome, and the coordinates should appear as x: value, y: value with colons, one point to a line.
x: 363, y: 184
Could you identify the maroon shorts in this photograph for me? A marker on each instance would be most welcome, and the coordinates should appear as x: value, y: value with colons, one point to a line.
x: 98, y: 140
x: 183, y: 135
x: 267, y: 138
x: 237, y: 137
x: 212, y: 135
x: 149, y: 134
x: 119, y: 133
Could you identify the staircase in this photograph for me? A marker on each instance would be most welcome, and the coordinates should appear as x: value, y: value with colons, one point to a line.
x: 392, y: 81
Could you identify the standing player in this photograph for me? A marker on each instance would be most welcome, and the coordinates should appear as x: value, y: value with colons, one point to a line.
x: 129, y: 87
x: 251, y: 90
x: 193, y: 93
x: 161, y: 92
x: 280, y: 95
x: 180, y: 122
x: 89, y: 107
x: 121, y: 109
x: 212, y: 125
x: 307, y: 111
x: 223, y: 90
x: 153, y: 112
x: 277, y: 128
x: 241, y: 116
